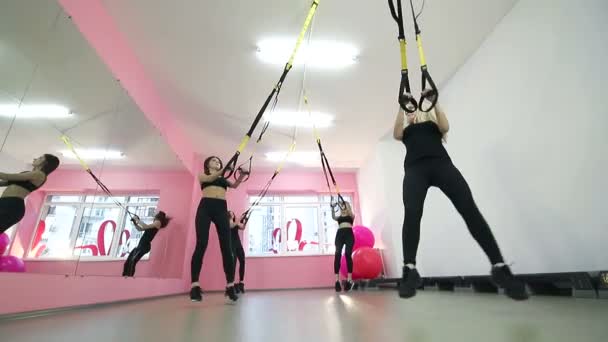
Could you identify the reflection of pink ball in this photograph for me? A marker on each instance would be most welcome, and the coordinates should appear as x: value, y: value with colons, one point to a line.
x: 11, y: 264
x: 4, y: 242
x: 363, y: 237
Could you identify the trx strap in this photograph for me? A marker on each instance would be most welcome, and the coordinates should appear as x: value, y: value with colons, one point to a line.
x: 103, y: 187
x: 230, y: 167
x: 247, y: 214
x: 326, y: 167
x: 406, y: 100
x: 429, y: 96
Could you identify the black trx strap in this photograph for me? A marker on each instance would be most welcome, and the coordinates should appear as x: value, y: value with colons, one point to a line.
x: 231, y: 165
x: 429, y: 96
x: 102, y: 186
x: 326, y: 167
x: 247, y: 214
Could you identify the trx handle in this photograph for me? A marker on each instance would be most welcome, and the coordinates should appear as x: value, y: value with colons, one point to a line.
x: 429, y: 96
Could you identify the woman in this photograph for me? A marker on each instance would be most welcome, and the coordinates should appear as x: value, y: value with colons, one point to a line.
x: 213, y: 208
x: 19, y: 185
x: 161, y: 220
x: 238, y: 252
x: 344, y: 238
x: 427, y: 164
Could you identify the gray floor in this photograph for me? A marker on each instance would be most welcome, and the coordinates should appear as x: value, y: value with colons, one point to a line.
x: 321, y: 315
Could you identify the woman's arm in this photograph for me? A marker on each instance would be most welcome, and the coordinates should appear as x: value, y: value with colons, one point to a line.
x: 442, y: 119
x: 208, y: 178
x: 143, y: 226
x: 398, y: 128
x: 25, y: 176
x: 333, y: 212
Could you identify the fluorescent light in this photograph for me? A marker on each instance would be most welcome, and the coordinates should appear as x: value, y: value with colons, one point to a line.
x: 94, y: 154
x: 320, y: 54
x: 299, y: 119
x: 35, y: 111
x: 298, y: 157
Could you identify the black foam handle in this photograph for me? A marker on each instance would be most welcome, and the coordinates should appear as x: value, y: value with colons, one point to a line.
x: 429, y: 95
x: 408, y: 103
x: 230, y: 166
x: 240, y: 172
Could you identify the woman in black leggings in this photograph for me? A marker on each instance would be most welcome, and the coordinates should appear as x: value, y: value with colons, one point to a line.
x: 161, y: 220
x: 427, y: 164
x: 344, y: 239
x: 213, y: 208
x: 19, y: 185
x: 238, y: 252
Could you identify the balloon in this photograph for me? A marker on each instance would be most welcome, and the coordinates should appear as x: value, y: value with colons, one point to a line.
x: 11, y: 264
x: 363, y: 237
x: 4, y: 242
x: 367, y: 263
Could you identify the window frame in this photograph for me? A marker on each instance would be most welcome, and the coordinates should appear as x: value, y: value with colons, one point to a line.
x: 82, y: 205
x: 319, y: 204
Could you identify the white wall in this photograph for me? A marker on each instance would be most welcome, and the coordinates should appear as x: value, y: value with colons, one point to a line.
x: 528, y: 131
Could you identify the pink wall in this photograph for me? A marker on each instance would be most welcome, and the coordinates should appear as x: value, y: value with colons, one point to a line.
x: 274, y: 272
x: 174, y: 188
x: 45, y: 291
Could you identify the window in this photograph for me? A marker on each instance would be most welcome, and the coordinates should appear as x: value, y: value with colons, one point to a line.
x: 292, y: 225
x: 89, y: 227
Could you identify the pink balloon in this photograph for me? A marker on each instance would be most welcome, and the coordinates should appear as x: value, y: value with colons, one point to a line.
x: 11, y: 264
x: 364, y: 237
x: 4, y: 242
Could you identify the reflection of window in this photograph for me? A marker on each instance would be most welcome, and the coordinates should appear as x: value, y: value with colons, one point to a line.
x: 292, y: 225
x: 89, y: 227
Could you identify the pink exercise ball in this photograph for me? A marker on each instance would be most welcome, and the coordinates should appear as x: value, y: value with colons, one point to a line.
x: 364, y: 237
x: 367, y: 263
x: 4, y: 242
x: 11, y: 264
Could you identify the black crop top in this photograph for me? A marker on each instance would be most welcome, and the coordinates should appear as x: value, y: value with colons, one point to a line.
x: 27, y: 185
x: 148, y: 236
x: 219, y: 181
x: 423, y: 140
x: 342, y: 219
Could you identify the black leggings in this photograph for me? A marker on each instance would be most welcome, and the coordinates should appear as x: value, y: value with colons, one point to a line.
x: 443, y: 174
x: 136, y: 254
x: 344, y: 237
x: 12, y: 210
x: 212, y: 210
x: 239, y: 253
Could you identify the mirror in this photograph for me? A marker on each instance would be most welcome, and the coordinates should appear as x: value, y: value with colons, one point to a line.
x: 53, y: 85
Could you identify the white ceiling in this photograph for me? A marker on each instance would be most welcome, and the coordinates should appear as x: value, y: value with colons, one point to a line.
x: 44, y: 59
x: 201, y: 56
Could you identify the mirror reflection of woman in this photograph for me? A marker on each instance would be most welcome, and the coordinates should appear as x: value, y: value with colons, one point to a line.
x: 161, y: 220
x: 19, y: 186
x: 237, y: 250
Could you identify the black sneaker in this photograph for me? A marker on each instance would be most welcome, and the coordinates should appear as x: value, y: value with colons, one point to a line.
x: 241, y: 287
x: 338, y: 286
x: 514, y: 289
x: 196, y: 294
x: 409, y: 282
x: 231, y: 293
x: 348, y: 285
